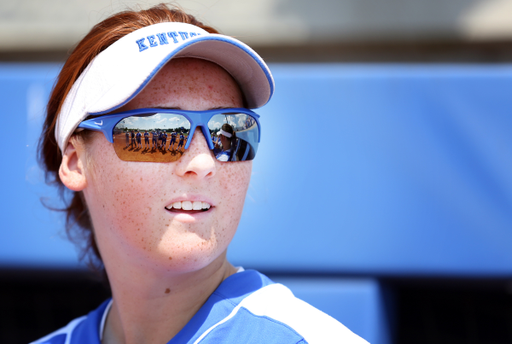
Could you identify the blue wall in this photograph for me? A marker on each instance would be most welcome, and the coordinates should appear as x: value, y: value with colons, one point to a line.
x: 393, y: 170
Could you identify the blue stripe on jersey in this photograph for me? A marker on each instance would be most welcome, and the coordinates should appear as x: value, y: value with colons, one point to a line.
x: 220, y: 304
x: 248, y: 328
x: 90, y: 327
x: 58, y: 339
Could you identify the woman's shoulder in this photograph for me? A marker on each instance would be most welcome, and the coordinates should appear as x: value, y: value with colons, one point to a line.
x: 273, y: 314
x: 278, y: 303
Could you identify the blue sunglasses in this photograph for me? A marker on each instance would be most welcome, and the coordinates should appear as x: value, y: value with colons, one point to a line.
x: 163, y: 135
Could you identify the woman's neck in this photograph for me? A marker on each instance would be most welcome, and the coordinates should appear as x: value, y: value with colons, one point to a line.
x: 153, y: 309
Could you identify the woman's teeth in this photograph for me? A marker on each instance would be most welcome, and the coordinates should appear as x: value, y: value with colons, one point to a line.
x: 188, y: 205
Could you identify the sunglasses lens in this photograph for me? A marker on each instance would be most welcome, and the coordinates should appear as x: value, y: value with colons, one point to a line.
x: 235, y: 136
x: 154, y: 138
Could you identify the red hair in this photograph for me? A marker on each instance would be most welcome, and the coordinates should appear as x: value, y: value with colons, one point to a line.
x: 78, y: 223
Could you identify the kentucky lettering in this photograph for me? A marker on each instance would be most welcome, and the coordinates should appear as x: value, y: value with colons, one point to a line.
x: 163, y: 38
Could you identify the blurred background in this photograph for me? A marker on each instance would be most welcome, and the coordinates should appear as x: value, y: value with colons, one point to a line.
x: 382, y: 192
x: 289, y: 30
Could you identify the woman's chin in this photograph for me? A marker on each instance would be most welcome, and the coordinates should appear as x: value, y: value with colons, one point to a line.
x: 184, y: 259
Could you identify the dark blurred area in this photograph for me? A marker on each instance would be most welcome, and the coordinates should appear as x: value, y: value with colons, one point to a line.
x: 35, y: 303
x: 453, y: 311
x: 354, y: 52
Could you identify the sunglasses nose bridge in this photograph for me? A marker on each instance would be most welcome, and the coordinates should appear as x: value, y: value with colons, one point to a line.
x: 198, y: 120
x: 206, y: 134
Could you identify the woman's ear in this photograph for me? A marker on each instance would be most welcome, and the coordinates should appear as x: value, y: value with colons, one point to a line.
x: 71, y: 171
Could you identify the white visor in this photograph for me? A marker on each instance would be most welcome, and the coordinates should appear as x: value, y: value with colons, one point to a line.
x: 225, y: 133
x: 120, y: 72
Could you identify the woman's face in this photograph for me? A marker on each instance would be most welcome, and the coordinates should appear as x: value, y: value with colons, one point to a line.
x: 225, y: 142
x: 129, y: 201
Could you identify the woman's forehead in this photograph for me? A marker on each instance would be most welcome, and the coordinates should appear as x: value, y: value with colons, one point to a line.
x: 187, y: 82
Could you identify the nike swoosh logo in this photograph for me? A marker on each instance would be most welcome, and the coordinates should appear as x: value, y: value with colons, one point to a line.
x: 99, y: 123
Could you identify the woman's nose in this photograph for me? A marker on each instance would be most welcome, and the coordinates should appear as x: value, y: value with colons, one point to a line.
x: 198, y: 160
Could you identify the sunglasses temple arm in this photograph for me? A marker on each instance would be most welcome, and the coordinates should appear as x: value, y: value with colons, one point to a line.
x: 103, y: 125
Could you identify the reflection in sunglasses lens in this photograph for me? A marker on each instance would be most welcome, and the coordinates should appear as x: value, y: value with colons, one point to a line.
x: 155, y: 138
x: 235, y: 136
x: 161, y: 137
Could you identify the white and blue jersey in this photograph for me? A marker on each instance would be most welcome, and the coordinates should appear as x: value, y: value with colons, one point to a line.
x: 246, y: 308
x: 223, y: 155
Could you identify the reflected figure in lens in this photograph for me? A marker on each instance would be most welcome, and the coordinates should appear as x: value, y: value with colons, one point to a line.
x: 222, y: 150
x: 138, y: 136
x: 132, y: 136
x: 161, y: 140
x: 248, y: 122
x: 173, y: 141
x: 181, y: 143
x: 146, y: 139
x: 154, y: 136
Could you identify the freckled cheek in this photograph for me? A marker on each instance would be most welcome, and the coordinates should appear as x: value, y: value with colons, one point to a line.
x: 122, y: 196
x: 236, y: 177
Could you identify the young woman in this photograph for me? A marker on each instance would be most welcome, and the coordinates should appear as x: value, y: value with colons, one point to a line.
x: 166, y: 260
x: 222, y: 150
